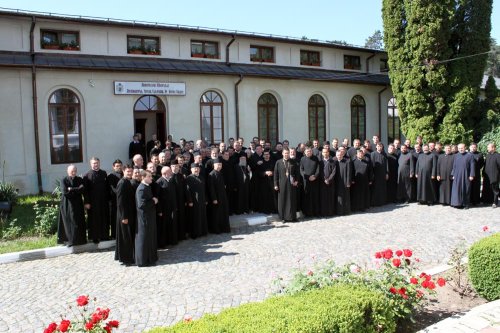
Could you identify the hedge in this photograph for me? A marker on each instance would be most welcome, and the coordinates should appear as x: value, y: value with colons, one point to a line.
x: 340, y: 308
x: 484, y: 267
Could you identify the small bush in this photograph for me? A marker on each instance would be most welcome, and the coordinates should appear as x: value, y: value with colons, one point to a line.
x: 9, y: 230
x: 491, y: 136
x: 46, y: 217
x: 484, y: 267
x: 8, y: 192
x: 340, y: 308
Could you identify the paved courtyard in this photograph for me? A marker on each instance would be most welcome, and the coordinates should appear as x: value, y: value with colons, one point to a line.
x: 220, y: 271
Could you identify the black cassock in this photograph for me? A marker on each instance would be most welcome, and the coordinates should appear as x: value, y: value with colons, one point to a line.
x: 392, y: 182
x: 219, y: 221
x: 71, y: 227
x: 180, y: 194
x: 463, y: 168
x: 196, y: 215
x: 343, y: 180
x: 475, y: 190
x: 309, y: 166
x: 444, y: 167
x: 380, y: 172
x: 243, y: 186
x: 491, y: 178
x: 267, y: 196
x: 167, y: 229
x: 125, y: 210
x: 286, y: 172
x: 113, y: 179
x: 228, y: 173
x: 425, y: 170
x: 406, y: 170
x: 327, y: 198
x: 97, y: 195
x: 360, y: 190
x: 146, y: 250
x: 415, y: 156
x: 254, y: 162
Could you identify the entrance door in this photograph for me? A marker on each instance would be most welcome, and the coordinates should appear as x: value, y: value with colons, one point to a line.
x: 149, y: 118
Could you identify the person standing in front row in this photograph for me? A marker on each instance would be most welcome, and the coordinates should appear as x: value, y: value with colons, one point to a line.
x: 463, y: 174
x: 286, y: 182
x: 146, y: 251
x: 492, y: 171
x: 125, y: 217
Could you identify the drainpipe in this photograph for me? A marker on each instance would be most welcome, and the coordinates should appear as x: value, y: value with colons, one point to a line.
x: 367, y: 62
x: 380, y: 111
x: 227, y: 49
x: 237, y: 105
x: 35, y: 106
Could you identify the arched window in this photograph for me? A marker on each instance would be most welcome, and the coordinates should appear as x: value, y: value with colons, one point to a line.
x: 212, y: 117
x: 65, y: 127
x: 149, y: 103
x: 393, y: 123
x: 358, y: 118
x: 268, y: 118
x: 149, y: 119
x: 317, y: 118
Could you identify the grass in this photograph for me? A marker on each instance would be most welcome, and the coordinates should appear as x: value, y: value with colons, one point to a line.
x: 24, y: 214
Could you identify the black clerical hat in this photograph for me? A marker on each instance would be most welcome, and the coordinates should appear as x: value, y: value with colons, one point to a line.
x: 217, y: 160
x: 195, y: 165
x: 174, y: 162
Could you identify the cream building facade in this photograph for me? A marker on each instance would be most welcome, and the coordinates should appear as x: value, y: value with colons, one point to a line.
x: 69, y: 90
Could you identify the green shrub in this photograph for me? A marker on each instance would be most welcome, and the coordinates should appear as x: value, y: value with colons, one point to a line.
x: 491, y: 136
x: 9, y: 229
x: 340, y: 308
x: 484, y: 267
x: 46, y: 218
x: 8, y: 192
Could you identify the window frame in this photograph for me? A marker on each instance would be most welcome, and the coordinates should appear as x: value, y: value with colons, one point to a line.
x: 392, y: 106
x: 349, y: 62
x: 143, y: 49
x: 211, y: 104
x: 74, y: 45
x: 308, y: 54
x: 65, y: 107
x: 314, y: 106
x: 267, y: 107
x: 204, y: 53
x: 384, y: 65
x: 259, y: 57
x: 357, y: 107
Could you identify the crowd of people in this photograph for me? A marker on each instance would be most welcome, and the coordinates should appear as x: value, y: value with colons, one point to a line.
x: 189, y: 189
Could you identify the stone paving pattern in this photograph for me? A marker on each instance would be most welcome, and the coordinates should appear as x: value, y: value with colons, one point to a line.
x: 219, y: 271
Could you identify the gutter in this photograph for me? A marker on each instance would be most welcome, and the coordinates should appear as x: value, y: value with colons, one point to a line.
x: 237, y: 105
x: 380, y: 111
x: 35, y: 106
x: 227, y: 49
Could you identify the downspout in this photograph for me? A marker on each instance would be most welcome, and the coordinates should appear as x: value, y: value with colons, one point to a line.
x: 237, y: 105
x: 367, y: 62
x: 380, y: 111
x: 35, y: 106
x: 227, y: 49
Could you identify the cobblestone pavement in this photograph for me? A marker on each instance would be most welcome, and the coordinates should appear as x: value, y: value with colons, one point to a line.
x: 220, y: 271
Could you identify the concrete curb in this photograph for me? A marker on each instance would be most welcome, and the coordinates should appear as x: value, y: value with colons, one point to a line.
x: 236, y: 221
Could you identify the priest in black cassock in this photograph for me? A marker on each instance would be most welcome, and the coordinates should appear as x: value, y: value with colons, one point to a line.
x: 229, y: 175
x: 492, y: 172
x: 415, y: 154
x: 326, y: 178
x: 406, y: 172
x: 463, y: 173
x: 71, y: 227
x: 254, y: 162
x: 218, y: 200
x: 380, y: 175
x: 475, y: 190
x: 309, y: 171
x: 96, y: 198
x: 343, y: 181
x: 363, y: 177
x: 146, y: 251
x: 286, y: 182
x: 113, y: 179
x: 443, y: 175
x: 243, y: 184
x: 126, y: 215
x: 425, y: 172
x: 196, y: 203
x: 167, y: 230
x: 267, y: 196
x: 180, y: 194
x: 392, y: 167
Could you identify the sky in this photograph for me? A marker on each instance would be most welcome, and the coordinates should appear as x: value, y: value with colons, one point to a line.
x: 351, y: 21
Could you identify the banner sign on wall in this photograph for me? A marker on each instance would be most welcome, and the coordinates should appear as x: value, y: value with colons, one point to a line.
x: 150, y: 88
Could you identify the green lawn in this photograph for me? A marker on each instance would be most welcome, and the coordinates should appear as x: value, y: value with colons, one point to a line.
x: 27, y: 243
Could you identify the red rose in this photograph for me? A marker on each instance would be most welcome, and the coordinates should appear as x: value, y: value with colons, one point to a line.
x: 104, y: 313
x: 425, y: 283
x: 64, y: 325
x: 96, y: 317
x: 399, y: 253
x: 51, y: 328
x: 114, y: 323
x: 378, y: 255
x: 89, y: 325
x: 402, y: 291
x: 441, y: 282
x: 108, y: 329
x: 413, y: 280
x: 393, y: 290
x: 396, y: 262
x: 432, y: 285
x: 407, y: 253
x: 82, y: 300
x: 388, y: 254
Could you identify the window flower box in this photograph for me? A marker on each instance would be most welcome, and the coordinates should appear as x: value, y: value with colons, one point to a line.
x: 197, y: 55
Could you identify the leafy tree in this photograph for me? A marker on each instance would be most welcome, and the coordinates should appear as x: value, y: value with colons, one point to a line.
x: 435, y: 70
x: 375, y: 41
x: 493, y: 66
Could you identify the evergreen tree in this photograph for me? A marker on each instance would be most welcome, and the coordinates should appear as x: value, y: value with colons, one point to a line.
x: 375, y: 41
x: 434, y: 81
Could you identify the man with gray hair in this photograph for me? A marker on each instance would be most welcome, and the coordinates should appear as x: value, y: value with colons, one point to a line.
x: 167, y: 207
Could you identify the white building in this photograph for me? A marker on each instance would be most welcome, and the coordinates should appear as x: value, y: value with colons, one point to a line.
x: 73, y: 87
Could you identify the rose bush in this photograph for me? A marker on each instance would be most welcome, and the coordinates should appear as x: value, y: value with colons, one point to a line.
x: 86, y: 321
x: 394, y: 274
